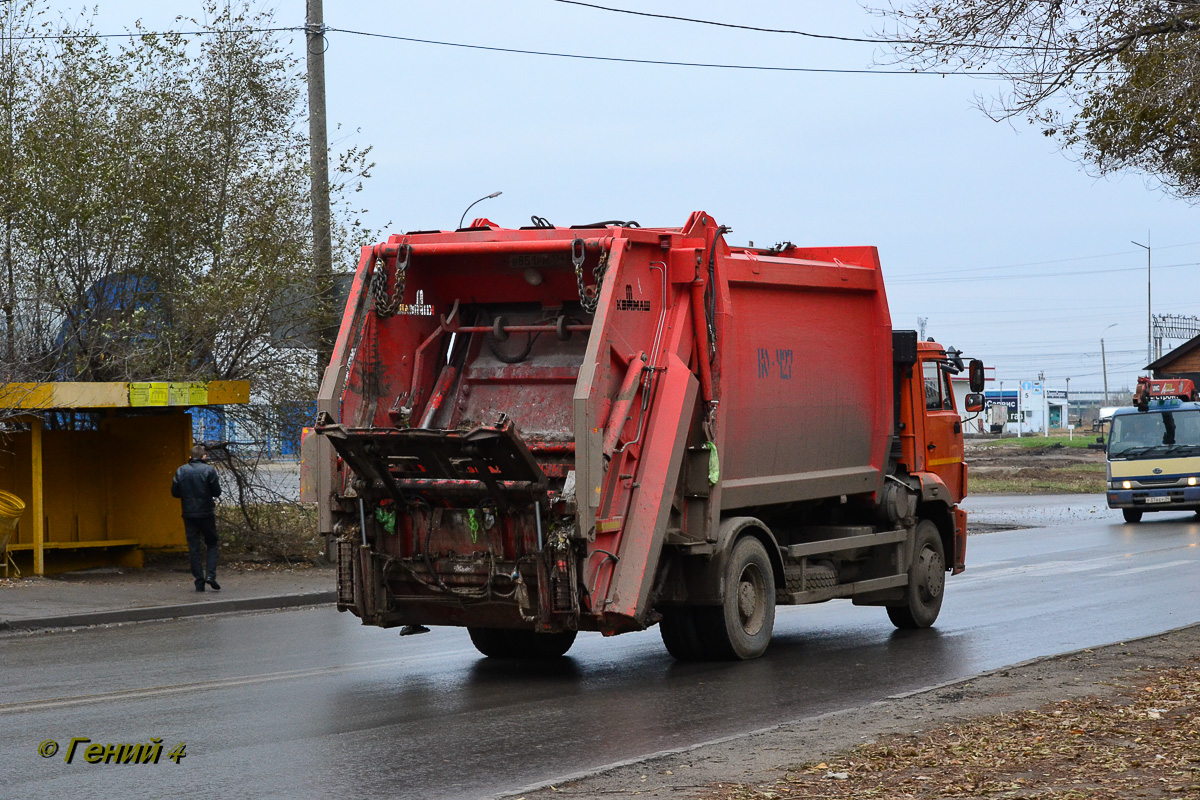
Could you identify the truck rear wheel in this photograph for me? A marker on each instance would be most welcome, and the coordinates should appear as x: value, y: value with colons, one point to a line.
x: 1132, y: 514
x: 678, y: 630
x: 740, y: 628
x: 516, y: 644
x: 926, y: 581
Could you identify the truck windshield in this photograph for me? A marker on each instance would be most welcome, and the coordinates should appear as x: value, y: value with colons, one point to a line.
x: 1155, y: 434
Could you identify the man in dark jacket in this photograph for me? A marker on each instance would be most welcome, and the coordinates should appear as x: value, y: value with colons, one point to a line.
x: 196, y: 486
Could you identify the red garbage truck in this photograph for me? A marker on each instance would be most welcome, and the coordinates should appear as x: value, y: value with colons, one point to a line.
x: 535, y: 432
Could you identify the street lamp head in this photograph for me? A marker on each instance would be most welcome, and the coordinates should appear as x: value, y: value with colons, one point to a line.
x: 480, y: 200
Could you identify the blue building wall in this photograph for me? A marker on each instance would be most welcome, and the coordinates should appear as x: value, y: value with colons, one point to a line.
x: 278, y: 438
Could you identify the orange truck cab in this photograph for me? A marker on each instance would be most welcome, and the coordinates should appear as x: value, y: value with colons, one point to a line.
x: 929, y: 427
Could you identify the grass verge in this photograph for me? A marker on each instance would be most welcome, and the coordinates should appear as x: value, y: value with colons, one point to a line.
x: 1143, y: 742
x: 1079, y: 441
x: 1066, y: 479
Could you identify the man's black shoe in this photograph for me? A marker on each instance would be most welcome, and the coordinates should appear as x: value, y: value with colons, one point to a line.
x: 199, y: 586
x: 213, y: 583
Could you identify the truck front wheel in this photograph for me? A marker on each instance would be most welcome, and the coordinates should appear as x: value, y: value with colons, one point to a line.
x: 1132, y: 514
x: 740, y: 628
x: 926, y: 581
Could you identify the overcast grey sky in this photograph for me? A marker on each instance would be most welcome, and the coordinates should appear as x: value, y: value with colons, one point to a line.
x: 1011, y: 250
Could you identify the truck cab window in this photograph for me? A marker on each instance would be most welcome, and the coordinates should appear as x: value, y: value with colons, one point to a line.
x: 947, y: 392
x: 933, y: 386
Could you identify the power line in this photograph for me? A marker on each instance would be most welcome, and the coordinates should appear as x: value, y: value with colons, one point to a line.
x: 806, y: 34
x: 755, y: 28
x: 701, y: 64
x: 1040, y: 263
x: 547, y: 53
x: 1036, y: 356
x: 1003, y: 318
x: 905, y: 311
x: 1039, y: 275
x: 142, y: 34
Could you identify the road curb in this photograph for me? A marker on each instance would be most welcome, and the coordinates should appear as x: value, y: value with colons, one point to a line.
x: 148, y: 613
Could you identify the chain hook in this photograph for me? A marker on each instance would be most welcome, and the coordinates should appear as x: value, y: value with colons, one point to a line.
x: 589, y: 296
x: 385, y: 305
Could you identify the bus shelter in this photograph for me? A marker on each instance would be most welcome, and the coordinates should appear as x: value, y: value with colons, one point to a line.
x: 93, y: 463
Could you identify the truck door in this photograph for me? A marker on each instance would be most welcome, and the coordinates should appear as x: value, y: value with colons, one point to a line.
x: 943, y: 428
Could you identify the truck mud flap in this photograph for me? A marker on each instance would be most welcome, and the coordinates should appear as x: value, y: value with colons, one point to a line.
x: 490, y: 460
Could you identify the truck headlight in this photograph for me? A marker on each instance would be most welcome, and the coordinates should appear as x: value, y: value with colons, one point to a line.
x: 1126, y: 485
x: 1192, y: 481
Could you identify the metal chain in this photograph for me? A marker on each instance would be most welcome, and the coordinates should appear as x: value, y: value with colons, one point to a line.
x: 589, y: 297
x: 577, y: 257
x: 386, y: 306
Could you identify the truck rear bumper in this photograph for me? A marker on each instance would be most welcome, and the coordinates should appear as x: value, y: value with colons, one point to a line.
x: 1155, y: 499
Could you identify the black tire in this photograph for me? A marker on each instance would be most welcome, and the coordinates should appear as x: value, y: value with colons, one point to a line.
x: 492, y: 642
x: 546, y: 645
x: 926, y: 581
x: 678, y: 630
x: 1132, y: 514
x: 520, y: 644
x: 740, y: 628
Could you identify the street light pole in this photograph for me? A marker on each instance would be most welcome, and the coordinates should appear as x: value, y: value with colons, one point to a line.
x: 1149, y: 336
x: 1067, y: 404
x: 1104, y: 362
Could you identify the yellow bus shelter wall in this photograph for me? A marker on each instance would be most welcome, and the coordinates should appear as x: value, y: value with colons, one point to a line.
x: 151, y: 449
x: 111, y: 484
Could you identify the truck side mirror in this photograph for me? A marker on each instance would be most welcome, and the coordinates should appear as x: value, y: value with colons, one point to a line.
x: 976, y: 375
x: 974, y: 402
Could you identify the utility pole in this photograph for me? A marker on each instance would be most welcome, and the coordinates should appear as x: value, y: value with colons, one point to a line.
x: 1104, y: 362
x: 1149, y: 335
x: 10, y: 300
x: 1104, y: 367
x: 318, y: 154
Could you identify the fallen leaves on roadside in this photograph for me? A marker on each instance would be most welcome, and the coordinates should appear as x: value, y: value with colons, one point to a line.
x: 1144, y: 743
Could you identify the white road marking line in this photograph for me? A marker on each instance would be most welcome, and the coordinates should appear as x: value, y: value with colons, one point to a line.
x: 1166, y: 565
x: 224, y: 683
x: 1048, y: 568
x: 1060, y: 567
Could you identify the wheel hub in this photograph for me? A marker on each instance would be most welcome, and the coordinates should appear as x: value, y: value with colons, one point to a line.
x: 932, y: 571
x: 751, y: 600
x: 746, y: 600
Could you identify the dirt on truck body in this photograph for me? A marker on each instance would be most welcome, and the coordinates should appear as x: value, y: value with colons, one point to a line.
x: 539, y: 431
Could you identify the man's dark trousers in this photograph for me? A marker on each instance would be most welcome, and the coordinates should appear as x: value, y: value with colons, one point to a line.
x: 201, y: 533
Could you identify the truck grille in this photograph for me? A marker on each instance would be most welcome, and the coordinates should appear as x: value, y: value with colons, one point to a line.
x: 1158, y: 481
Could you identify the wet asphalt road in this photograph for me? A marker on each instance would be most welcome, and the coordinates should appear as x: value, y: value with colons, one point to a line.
x: 309, y: 704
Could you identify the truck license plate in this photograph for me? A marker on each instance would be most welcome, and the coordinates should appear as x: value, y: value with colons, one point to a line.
x: 1158, y: 499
